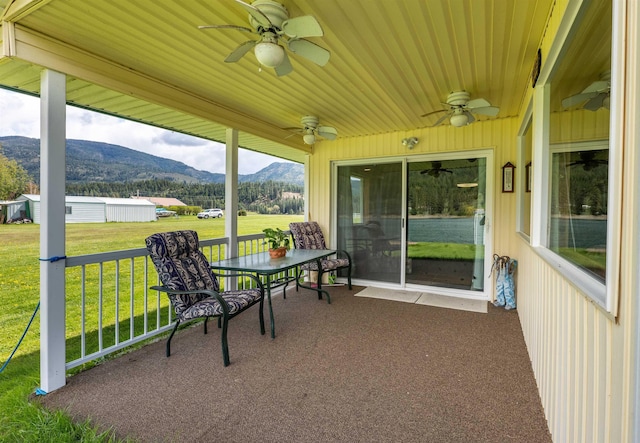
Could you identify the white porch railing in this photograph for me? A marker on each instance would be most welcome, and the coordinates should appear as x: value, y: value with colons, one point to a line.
x: 114, y: 307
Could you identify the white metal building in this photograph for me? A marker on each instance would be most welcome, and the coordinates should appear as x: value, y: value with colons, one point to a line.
x: 80, y: 209
x: 128, y: 210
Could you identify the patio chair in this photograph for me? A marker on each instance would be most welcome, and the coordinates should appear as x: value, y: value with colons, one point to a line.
x: 193, y: 288
x: 308, y: 235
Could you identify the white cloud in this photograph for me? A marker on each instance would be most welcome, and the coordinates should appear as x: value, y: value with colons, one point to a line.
x: 20, y: 115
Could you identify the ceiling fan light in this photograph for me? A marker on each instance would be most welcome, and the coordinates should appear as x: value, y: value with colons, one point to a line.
x: 269, y: 54
x: 458, y: 120
x: 309, y: 139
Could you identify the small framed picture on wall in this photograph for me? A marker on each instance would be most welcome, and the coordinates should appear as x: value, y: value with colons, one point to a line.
x: 507, y: 177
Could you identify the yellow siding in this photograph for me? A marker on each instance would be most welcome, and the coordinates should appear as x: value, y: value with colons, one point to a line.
x: 499, y: 135
x: 582, y: 358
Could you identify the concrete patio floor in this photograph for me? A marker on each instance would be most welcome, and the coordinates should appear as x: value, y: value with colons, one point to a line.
x: 356, y: 370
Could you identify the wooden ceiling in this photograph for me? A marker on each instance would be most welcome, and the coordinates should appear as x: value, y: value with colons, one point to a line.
x: 391, y: 62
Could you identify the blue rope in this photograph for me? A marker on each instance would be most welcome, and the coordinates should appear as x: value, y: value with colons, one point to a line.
x: 21, y: 338
x: 52, y: 259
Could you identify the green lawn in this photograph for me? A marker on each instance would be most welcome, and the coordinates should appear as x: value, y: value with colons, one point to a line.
x: 21, y: 420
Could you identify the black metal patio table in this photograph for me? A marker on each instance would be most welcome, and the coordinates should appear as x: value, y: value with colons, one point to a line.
x: 263, y: 265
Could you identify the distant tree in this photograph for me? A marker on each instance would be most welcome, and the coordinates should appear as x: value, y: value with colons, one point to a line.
x: 13, y: 178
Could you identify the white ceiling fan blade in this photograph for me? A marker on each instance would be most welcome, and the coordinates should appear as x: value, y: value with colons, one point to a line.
x: 239, y: 28
x: 310, y: 51
x: 575, y: 100
x: 441, y: 119
x: 433, y: 112
x: 285, y: 67
x: 596, y: 102
x: 257, y: 14
x: 478, y: 103
x: 599, y: 86
x: 487, y: 110
x: 328, y: 132
x: 301, y: 27
x: 470, y: 117
x: 240, y: 51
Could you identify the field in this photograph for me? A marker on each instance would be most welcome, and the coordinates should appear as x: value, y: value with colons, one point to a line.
x: 20, y: 420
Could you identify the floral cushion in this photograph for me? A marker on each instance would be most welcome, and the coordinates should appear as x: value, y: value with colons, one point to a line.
x: 307, y: 235
x: 209, y: 307
x: 181, y: 266
x: 327, y: 264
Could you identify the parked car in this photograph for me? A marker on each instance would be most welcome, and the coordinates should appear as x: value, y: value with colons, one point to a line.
x: 162, y: 212
x: 213, y: 213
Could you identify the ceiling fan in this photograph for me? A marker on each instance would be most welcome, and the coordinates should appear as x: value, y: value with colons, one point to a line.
x: 596, y: 95
x: 310, y: 130
x: 270, y: 21
x: 588, y: 160
x: 460, y: 109
x: 436, y: 169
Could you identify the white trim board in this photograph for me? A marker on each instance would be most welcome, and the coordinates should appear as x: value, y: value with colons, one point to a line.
x: 425, y: 298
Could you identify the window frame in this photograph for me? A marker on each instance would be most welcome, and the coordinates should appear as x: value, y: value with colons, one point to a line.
x: 602, y: 295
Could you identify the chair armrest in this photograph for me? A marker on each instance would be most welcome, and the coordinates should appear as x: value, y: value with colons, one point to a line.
x: 251, y: 276
x: 343, y: 252
x: 210, y: 293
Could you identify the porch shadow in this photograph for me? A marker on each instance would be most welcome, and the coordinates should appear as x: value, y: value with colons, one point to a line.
x: 357, y: 370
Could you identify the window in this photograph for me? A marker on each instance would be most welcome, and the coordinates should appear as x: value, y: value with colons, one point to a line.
x: 67, y: 209
x: 575, y: 231
x: 578, y: 206
x: 525, y: 144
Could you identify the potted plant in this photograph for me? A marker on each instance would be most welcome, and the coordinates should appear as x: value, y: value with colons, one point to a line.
x: 278, y: 241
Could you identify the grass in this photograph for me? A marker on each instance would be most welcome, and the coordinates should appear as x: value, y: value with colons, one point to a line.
x: 22, y: 420
x: 444, y: 251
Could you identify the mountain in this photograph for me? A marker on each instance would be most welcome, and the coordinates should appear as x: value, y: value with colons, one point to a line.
x: 89, y: 161
x: 279, y: 172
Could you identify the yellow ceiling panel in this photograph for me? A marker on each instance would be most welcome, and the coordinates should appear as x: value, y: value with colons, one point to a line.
x: 391, y: 62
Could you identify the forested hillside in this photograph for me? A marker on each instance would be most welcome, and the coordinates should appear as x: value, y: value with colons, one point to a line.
x: 89, y: 161
x: 261, y: 197
x: 105, y: 170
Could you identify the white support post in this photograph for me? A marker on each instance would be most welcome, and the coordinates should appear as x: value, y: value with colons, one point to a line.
x: 52, y: 230
x: 307, y: 160
x: 231, y: 199
x: 231, y: 192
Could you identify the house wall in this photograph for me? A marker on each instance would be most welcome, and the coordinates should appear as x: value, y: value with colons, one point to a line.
x: 498, y: 135
x: 584, y: 359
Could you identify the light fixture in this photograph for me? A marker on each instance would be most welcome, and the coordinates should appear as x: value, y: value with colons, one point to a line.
x: 309, y: 138
x: 459, y: 118
x: 268, y: 52
x: 410, y: 142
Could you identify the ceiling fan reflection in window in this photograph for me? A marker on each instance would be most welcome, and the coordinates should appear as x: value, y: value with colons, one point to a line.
x: 588, y: 160
x: 595, y: 96
x: 276, y: 31
x: 436, y: 170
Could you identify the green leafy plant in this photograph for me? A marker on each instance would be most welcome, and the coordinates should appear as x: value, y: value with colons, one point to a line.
x: 276, y: 238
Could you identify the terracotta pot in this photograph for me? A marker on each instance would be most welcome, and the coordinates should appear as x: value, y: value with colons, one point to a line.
x: 278, y: 253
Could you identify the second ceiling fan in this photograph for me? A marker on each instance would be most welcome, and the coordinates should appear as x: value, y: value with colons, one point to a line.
x: 276, y: 31
x: 460, y: 109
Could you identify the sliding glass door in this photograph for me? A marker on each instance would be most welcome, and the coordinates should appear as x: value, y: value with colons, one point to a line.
x: 370, y: 219
x: 445, y: 223
x: 416, y: 221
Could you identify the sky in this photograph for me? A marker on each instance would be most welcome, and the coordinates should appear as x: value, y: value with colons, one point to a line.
x: 20, y: 115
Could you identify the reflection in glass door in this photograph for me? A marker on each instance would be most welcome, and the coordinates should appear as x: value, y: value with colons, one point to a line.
x: 369, y: 219
x: 445, y: 223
